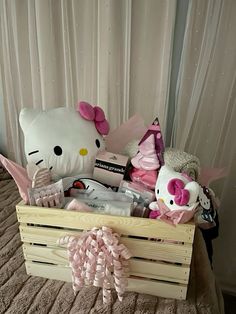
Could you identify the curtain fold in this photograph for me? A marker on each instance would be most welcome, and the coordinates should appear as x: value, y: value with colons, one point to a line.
x: 205, y: 120
x: 112, y: 53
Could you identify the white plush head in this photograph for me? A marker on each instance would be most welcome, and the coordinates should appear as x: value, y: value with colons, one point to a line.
x: 176, y: 190
x: 62, y: 140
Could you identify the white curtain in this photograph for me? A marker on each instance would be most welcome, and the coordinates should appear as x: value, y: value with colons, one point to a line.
x: 112, y: 53
x: 205, y: 120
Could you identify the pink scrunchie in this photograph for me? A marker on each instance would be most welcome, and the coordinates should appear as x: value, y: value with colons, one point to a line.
x: 95, y: 114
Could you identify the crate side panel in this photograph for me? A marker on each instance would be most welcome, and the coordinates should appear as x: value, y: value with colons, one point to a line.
x: 138, y: 267
x: 156, y: 288
x: 170, y: 252
x: 141, y: 227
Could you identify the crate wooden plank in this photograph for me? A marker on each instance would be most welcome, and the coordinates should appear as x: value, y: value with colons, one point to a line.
x: 158, y: 270
x: 170, y: 252
x: 138, y: 267
x: 160, y: 289
x: 134, y: 226
x: 157, y: 288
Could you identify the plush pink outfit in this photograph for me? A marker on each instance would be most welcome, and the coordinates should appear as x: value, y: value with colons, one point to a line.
x: 172, y: 217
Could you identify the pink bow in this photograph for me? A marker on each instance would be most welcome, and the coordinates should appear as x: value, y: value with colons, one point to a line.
x: 176, y: 187
x: 95, y: 114
x: 97, y: 258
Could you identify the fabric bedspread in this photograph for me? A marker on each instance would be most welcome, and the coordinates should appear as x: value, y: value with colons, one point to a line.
x: 20, y: 293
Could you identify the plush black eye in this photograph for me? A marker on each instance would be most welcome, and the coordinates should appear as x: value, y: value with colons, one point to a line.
x: 157, y: 191
x: 97, y: 143
x: 171, y: 202
x: 57, y: 150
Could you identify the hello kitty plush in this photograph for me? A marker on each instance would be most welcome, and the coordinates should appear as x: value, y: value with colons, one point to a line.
x: 64, y: 140
x: 176, y: 197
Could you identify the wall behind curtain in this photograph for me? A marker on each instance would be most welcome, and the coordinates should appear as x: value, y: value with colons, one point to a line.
x: 205, y: 119
x: 112, y: 53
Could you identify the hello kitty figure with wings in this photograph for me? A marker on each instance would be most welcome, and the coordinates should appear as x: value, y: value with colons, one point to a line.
x: 64, y: 140
x: 176, y: 197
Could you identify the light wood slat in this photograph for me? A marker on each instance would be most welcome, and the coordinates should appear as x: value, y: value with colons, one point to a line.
x: 123, y: 225
x: 161, y: 271
x: 160, y: 289
x: 170, y: 252
x: 56, y: 272
x: 156, y: 288
x: 158, y: 270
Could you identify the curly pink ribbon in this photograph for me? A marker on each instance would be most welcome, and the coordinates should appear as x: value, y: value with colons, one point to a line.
x: 97, y: 258
x: 95, y: 114
x: 176, y: 187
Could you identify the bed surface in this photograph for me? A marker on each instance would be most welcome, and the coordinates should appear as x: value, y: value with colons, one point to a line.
x: 20, y: 293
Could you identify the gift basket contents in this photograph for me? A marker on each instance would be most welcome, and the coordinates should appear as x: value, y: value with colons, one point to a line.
x: 135, y: 199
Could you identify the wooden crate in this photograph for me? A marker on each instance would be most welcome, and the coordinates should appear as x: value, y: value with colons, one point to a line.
x: 158, y: 267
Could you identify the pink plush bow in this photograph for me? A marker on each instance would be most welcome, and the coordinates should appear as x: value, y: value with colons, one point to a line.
x: 95, y: 114
x: 176, y: 187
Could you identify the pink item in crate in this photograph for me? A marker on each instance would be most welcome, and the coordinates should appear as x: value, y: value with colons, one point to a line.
x: 155, y: 130
x: 177, y: 197
x: 149, y: 158
x: 145, y: 164
x: 97, y: 258
x: 146, y: 158
x: 173, y: 217
x: 47, y: 196
x: 176, y: 187
x: 146, y: 178
x: 95, y: 114
x: 110, y: 168
x: 78, y: 206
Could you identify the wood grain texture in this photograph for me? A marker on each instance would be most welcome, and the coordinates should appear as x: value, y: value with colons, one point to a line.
x: 133, y: 226
x: 138, y: 267
x: 169, y: 252
x: 161, y: 253
x: 146, y: 286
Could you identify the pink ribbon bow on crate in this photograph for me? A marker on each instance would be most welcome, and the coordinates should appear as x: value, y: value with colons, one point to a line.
x: 97, y: 258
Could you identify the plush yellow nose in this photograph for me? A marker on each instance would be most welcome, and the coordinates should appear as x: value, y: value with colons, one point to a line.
x: 83, y: 152
x: 161, y: 199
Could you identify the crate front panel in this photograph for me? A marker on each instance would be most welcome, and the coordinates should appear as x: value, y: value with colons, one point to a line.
x: 132, y: 226
x: 159, y: 267
x: 157, y: 288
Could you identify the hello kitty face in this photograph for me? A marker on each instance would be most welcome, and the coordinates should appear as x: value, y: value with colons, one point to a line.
x: 176, y: 190
x: 204, y: 198
x: 61, y: 140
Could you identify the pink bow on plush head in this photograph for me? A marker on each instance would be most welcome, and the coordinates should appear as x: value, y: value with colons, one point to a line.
x: 176, y: 187
x: 95, y: 114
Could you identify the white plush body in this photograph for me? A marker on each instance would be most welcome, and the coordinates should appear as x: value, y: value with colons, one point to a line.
x: 167, y: 174
x: 64, y: 141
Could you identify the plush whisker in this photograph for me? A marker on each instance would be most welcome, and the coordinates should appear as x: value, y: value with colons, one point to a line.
x: 34, y: 152
x: 38, y: 162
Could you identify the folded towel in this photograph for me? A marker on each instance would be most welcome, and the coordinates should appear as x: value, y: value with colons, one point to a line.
x: 182, y: 162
